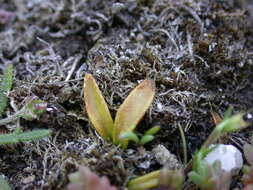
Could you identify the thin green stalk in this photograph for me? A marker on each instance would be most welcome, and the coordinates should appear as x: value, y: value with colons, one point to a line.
x: 32, y: 110
x: 213, y: 137
x: 13, y: 117
x: 184, y: 144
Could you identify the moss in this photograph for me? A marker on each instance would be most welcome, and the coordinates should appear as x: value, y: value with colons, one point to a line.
x: 198, y: 52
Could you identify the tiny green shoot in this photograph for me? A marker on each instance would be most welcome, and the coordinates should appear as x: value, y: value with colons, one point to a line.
x: 204, y: 175
x: 147, y: 137
x: 33, y: 109
x: 5, y: 87
x: 128, y: 115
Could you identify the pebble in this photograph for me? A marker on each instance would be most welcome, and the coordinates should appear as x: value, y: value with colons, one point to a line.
x: 165, y: 158
x: 228, y: 155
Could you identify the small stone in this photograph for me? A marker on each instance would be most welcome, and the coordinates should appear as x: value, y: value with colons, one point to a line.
x: 28, y: 179
x: 164, y: 157
x: 228, y: 155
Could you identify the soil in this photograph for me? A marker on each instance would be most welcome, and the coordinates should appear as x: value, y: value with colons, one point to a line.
x: 198, y: 52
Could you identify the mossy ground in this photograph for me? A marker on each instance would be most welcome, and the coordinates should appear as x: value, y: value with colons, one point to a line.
x: 199, y: 52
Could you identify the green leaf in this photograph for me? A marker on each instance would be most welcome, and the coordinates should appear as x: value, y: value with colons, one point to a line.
x: 33, y: 135
x: 148, y: 181
x: 228, y: 113
x: 153, y: 130
x: 146, y: 138
x: 129, y: 136
x: 195, y: 177
x: 232, y: 124
x: 96, y: 107
x: 5, y: 87
x: 17, y: 137
x: 4, y: 185
x: 203, y: 182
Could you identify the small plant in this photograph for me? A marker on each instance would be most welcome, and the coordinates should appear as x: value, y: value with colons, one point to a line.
x: 5, y: 87
x: 147, y: 137
x: 211, y: 176
x: 84, y: 179
x: 33, y: 109
x: 19, y: 136
x: 128, y: 115
x: 206, y: 177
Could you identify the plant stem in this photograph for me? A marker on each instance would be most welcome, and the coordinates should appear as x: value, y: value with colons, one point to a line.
x: 13, y: 117
x: 184, y: 143
x: 213, y: 137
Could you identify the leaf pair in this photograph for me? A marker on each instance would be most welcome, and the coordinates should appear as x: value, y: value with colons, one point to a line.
x: 128, y: 115
x: 147, y: 137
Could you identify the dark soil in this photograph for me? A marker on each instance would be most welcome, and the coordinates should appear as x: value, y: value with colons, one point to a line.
x: 199, y: 52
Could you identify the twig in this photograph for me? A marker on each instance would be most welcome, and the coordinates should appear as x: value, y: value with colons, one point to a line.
x: 73, y: 67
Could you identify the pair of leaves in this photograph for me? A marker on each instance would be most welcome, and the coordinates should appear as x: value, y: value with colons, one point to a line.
x: 147, y: 137
x: 128, y: 115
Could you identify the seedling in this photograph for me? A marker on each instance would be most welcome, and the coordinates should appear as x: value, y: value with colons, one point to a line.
x: 203, y: 175
x: 147, y: 137
x: 211, y: 176
x: 128, y: 115
x: 33, y: 109
x: 207, y: 176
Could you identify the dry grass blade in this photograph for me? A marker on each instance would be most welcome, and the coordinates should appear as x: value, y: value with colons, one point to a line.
x: 216, y: 117
x: 96, y: 107
x: 133, y: 108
